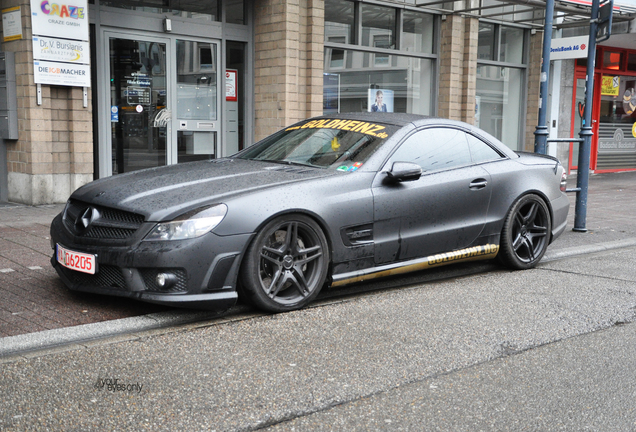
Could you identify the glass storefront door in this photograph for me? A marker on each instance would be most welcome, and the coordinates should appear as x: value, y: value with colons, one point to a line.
x: 197, y: 113
x: 138, y: 99
x: 164, y: 101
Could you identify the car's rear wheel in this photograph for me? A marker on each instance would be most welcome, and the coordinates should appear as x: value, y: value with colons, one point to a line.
x: 286, y: 264
x: 526, y: 233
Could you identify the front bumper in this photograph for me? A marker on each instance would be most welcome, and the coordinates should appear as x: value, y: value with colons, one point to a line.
x: 205, y: 269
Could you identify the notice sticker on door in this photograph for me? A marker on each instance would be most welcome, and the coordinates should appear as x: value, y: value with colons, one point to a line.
x: 139, y: 108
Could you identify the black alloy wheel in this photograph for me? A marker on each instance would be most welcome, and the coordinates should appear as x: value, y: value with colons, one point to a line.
x: 526, y: 233
x: 286, y: 264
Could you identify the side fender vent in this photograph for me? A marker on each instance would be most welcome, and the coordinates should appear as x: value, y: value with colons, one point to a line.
x: 357, y: 235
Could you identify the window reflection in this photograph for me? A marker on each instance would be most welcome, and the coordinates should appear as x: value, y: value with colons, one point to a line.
x: 347, y: 87
x: 378, y: 26
x: 499, y: 90
x: 196, y: 80
x: 417, y: 32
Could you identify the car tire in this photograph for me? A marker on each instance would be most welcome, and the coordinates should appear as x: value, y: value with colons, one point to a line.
x: 286, y: 265
x: 526, y: 233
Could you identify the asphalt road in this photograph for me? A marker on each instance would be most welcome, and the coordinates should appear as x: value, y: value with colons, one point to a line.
x: 551, y: 348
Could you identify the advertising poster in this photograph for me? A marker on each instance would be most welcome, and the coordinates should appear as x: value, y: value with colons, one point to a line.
x: 610, y: 85
x: 231, y: 92
x: 11, y: 24
x: 380, y: 100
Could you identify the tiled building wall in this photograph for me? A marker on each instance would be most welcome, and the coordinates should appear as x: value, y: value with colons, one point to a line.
x: 534, y: 84
x: 451, y: 67
x: 54, y: 153
x: 469, y: 69
x: 288, y: 45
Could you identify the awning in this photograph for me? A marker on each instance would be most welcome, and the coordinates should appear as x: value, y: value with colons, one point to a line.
x: 567, y: 13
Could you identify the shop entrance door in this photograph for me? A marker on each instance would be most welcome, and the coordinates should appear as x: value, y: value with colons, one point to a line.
x: 163, y: 99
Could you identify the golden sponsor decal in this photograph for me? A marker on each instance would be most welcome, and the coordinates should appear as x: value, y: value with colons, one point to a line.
x: 344, y: 124
x: 487, y: 251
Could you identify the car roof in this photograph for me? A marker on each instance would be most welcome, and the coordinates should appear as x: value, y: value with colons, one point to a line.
x: 417, y: 120
x: 395, y: 119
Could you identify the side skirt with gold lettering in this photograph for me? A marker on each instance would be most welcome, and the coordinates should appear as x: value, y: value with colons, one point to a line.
x: 474, y: 253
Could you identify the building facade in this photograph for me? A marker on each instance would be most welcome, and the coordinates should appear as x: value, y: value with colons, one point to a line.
x: 172, y: 82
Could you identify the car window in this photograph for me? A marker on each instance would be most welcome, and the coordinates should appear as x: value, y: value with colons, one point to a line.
x: 435, y: 149
x: 339, y: 143
x: 480, y: 151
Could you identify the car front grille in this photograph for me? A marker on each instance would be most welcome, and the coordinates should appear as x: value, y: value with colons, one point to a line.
x: 107, y: 276
x: 107, y: 223
x: 149, y: 275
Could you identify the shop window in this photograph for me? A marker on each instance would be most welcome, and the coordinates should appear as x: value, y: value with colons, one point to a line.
x: 337, y: 58
x: 381, y: 41
x: 417, y: 32
x: 376, y: 68
x: 234, y: 11
x: 500, y: 89
x: 378, y: 24
x: 406, y: 86
x: 339, y: 21
x: 631, y: 62
x: 511, y: 45
x: 486, y: 42
x: 612, y: 60
x: 499, y: 101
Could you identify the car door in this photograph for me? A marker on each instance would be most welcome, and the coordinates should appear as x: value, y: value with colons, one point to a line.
x: 444, y: 210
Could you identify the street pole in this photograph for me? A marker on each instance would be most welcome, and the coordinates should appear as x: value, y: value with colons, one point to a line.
x: 583, y: 170
x: 541, y: 132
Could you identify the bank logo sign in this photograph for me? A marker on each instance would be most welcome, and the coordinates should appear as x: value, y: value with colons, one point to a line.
x: 569, y: 48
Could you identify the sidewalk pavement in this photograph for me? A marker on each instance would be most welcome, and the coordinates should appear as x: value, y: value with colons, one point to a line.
x: 33, y: 299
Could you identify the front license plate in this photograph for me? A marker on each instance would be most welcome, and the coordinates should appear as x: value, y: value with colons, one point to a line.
x: 78, y: 261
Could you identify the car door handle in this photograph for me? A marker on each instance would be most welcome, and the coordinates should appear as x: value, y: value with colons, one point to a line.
x: 478, y: 184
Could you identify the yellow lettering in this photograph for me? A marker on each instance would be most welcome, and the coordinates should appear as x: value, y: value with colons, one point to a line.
x: 362, y: 127
x: 352, y: 124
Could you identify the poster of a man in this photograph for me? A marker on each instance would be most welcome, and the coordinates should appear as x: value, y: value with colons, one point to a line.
x: 380, y: 100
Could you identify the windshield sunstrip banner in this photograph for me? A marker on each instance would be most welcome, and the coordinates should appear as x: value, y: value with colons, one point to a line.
x: 347, y: 125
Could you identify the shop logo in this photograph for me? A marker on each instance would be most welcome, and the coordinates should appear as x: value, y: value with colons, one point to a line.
x: 63, y: 11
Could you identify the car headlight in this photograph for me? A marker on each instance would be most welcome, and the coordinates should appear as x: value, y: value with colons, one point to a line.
x: 190, y: 225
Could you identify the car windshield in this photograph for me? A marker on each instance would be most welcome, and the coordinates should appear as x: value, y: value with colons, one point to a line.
x: 324, y: 143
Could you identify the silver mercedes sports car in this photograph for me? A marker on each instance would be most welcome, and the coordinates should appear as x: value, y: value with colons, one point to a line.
x: 329, y: 201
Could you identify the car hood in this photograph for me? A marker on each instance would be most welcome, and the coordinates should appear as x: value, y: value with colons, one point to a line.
x: 166, y: 192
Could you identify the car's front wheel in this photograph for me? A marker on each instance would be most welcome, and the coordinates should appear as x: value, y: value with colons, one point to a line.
x: 286, y: 264
x: 526, y: 233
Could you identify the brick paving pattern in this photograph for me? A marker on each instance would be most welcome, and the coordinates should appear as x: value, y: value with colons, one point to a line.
x: 32, y: 297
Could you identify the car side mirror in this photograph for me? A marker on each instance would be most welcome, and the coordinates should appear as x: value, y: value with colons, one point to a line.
x: 404, y: 171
